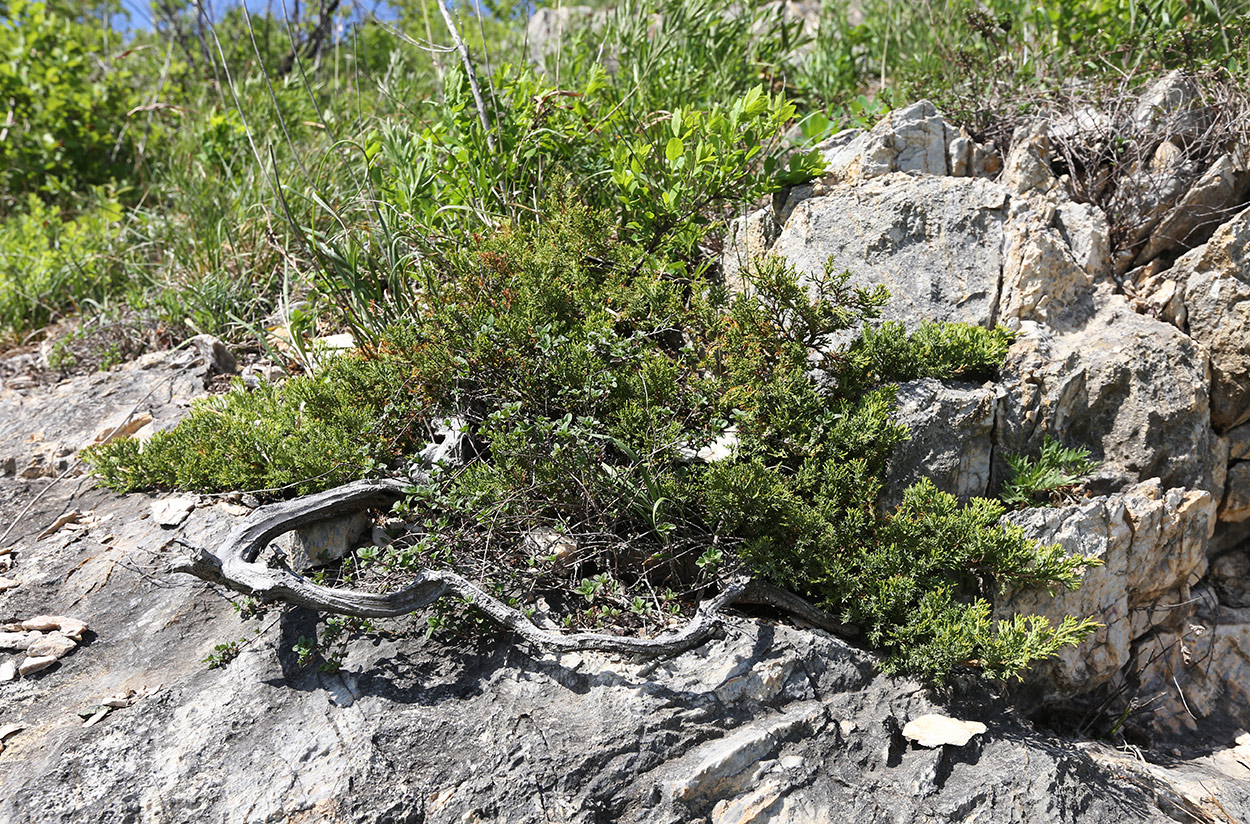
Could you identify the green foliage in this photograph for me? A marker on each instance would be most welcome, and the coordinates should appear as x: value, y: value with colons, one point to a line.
x: 306, y: 434
x: 1048, y: 480
x: 52, y: 264
x: 223, y: 654
x: 669, y: 179
x: 589, y: 378
x: 62, y: 107
x: 934, y: 350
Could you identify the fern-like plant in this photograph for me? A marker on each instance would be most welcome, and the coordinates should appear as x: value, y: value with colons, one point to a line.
x: 1048, y: 480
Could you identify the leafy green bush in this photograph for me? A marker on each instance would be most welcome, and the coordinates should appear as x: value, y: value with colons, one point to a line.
x: 633, y: 434
x: 1048, y: 480
x: 62, y: 108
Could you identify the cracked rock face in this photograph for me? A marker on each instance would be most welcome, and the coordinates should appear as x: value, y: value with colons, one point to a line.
x: 1215, y: 279
x: 1149, y: 373
x: 934, y: 242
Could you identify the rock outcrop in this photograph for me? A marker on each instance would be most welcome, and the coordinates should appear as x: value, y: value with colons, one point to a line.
x: 1150, y: 371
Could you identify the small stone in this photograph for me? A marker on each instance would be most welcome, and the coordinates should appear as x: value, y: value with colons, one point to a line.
x: 171, y: 512
x: 95, y: 719
x: 324, y: 542
x: 8, y: 671
x: 934, y: 730
x: 53, y: 645
x: 8, y: 583
x: 33, y: 665
x: 9, y: 730
x: 66, y: 519
x: 17, y: 640
x: 69, y: 627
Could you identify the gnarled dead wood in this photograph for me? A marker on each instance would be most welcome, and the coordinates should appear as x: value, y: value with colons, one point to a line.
x: 234, y: 566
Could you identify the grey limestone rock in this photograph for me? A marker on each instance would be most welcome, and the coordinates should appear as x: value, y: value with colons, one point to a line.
x: 1130, y: 388
x: 934, y: 242
x: 951, y: 427
x: 1215, y: 278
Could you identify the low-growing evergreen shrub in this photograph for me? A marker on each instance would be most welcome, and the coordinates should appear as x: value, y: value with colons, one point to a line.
x: 633, y: 434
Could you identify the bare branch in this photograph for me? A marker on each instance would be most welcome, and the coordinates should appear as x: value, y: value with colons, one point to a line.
x: 468, y: 69
x: 235, y: 566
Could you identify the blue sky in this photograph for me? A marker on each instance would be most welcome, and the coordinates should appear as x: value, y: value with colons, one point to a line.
x: 140, y: 11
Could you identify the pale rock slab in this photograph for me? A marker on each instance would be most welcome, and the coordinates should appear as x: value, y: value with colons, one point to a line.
x: 32, y: 665
x: 951, y: 427
x: 1041, y: 278
x: 934, y: 242
x: 934, y: 730
x: 52, y: 644
x: 1152, y: 544
x: 1131, y: 389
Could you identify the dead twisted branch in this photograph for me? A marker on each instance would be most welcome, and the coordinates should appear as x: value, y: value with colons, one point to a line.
x: 234, y: 566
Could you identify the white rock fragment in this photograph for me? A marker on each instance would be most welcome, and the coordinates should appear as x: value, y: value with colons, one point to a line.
x: 934, y: 730
x: 8, y: 671
x: 8, y: 583
x: 17, y: 640
x: 66, y: 519
x: 53, y: 644
x: 69, y: 627
x: 170, y: 512
x: 33, y: 665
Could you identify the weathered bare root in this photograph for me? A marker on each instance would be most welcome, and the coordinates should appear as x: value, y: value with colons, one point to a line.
x: 235, y: 567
